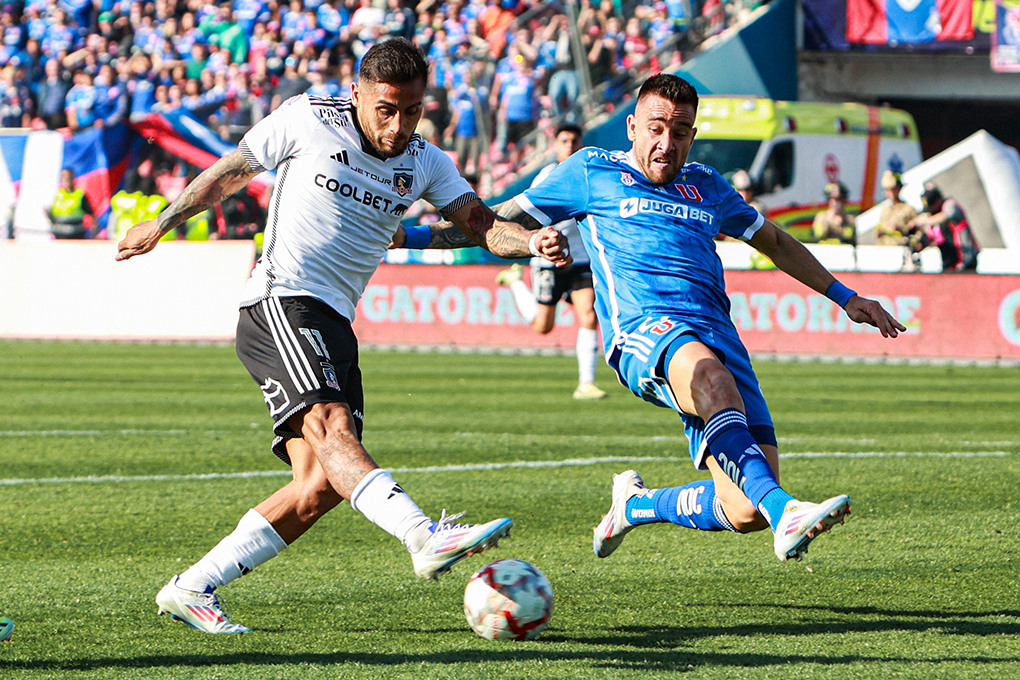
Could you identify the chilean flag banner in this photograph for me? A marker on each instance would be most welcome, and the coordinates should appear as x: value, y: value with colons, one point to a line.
x: 883, y: 22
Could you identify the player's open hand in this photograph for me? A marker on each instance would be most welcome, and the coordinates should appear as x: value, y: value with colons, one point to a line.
x: 554, y: 247
x: 398, y: 239
x: 140, y: 239
x: 863, y: 310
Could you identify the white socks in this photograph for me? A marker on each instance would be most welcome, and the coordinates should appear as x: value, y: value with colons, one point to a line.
x: 385, y: 504
x: 252, y: 543
x: 525, y: 300
x: 587, y: 354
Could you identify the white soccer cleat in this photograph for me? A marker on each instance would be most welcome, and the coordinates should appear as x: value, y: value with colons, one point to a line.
x: 201, y: 611
x: 451, y: 543
x: 609, y: 534
x: 514, y: 272
x: 802, y: 522
x: 588, y: 391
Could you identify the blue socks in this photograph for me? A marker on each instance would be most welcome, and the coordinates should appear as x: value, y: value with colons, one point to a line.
x: 692, y: 505
x: 736, y: 451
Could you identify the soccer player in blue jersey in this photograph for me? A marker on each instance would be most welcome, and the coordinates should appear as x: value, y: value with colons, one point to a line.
x: 648, y: 219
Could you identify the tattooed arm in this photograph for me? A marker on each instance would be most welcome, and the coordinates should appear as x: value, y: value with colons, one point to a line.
x: 503, y: 237
x: 506, y: 232
x: 225, y: 177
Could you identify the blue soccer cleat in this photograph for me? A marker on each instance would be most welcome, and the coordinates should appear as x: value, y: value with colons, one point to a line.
x: 6, y: 628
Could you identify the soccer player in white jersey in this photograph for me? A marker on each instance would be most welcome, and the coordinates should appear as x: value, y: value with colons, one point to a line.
x: 347, y: 170
x: 648, y: 220
x: 550, y: 283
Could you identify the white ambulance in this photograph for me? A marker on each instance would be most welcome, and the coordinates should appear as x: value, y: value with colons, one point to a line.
x: 793, y: 149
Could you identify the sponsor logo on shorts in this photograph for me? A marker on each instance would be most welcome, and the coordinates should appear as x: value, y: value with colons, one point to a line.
x: 275, y: 396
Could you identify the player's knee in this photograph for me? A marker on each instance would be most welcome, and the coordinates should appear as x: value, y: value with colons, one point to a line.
x: 714, y: 388
x: 324, y: 422
x: 544, y: 328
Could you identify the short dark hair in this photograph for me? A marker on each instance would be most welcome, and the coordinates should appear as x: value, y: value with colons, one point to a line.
x: 569, y: 127
x: 396, y: 61
x: 673, y: 88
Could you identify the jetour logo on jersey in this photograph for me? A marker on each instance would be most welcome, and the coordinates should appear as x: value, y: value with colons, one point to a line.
x: 629, y: 207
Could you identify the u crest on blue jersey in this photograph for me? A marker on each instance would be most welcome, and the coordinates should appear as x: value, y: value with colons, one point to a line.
x: 627, y: 178
x: 689, y: 191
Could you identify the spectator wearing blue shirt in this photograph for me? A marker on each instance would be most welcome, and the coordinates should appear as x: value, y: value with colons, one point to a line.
x: 463, y: 128
x: 79, y: 105
x: 111, y: 97
x: 517, y: 105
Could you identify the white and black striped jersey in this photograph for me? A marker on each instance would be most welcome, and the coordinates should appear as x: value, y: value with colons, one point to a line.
x: 336, y: 204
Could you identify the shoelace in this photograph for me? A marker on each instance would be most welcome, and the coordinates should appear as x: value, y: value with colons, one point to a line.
x: 444, y: 522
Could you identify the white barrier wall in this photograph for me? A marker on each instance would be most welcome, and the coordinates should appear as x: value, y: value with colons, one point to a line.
x: 75, y: 289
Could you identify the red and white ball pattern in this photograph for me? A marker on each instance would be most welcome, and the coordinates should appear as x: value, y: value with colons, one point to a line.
x: 508, y: 600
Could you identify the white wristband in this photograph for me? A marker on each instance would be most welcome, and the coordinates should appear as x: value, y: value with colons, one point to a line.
x: 532, y: 247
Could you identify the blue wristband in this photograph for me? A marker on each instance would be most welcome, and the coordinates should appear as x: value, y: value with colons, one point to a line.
x: 417, y: 237
x: 839, y: 293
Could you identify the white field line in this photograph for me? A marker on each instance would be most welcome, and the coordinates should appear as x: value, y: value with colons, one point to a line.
x: 612, y: 439
x: 527, y: 464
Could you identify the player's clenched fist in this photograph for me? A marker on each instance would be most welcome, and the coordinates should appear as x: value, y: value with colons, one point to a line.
x: 140, y: 239
x: 553, y: 246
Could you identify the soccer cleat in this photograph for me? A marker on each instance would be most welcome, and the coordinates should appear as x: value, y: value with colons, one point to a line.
x: 507, y: 276
x: 588, y: 391
x: 201, y: 611
x: 802, y: 522
x: 6, y: 628
x: 608, y: 535
x: 451, y: 543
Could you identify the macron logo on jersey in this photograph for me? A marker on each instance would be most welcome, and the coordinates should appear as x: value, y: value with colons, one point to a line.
x: 629, y: 207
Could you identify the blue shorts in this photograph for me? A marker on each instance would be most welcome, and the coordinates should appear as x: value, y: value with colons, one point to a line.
x: 641, y: 365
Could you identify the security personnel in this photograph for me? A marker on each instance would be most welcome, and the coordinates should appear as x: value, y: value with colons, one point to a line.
x: 70, y: 206
x: 123, y: 209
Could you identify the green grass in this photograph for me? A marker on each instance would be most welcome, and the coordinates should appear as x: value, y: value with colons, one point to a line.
x: 920, y: 583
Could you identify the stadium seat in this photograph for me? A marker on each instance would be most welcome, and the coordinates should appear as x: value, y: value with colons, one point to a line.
x: 931, y: 261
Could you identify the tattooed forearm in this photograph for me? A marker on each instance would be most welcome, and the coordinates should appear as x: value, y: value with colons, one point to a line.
x: 446, y: 236
x: 508, y: 239
x: 511, y: 212
x: 226, y: 176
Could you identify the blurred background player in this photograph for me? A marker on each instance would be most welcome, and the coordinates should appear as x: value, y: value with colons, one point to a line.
x: 550, y: 284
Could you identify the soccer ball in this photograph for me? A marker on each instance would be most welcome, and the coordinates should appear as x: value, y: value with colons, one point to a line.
x: 508, y: 600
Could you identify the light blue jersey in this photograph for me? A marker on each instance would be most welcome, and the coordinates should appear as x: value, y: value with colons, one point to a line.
x: 651, y: 246
x: 658, y: 279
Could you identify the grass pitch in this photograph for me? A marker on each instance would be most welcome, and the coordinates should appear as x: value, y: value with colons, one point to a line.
x: 107, y: 441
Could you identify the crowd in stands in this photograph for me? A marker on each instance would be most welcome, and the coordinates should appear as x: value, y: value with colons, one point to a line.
x: 499, y: 67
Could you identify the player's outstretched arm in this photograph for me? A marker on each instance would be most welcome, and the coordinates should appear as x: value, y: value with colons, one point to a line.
x: 475, y: 224
x: 790, y: 256
x: 223, y: 178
